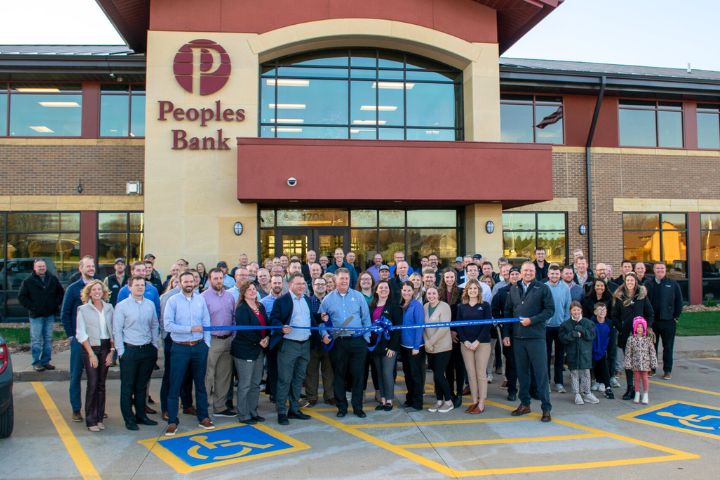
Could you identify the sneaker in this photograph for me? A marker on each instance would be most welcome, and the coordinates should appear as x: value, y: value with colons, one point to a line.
x: 667, y: 376
x: 636, y: 399
x: 304, y: 403
x: 171, y: 430
x: 614, y: 383
x: 225, y: 413
x: 38, y: 368
x: 601, y: 387
x: 94, y: 428
x: 206, y: 424
x: 609, y: 394
x: 49, y: 366
x: 435, y: 407
x: 446, y: 407
x: 101, y: 426
x: 590, y: 398
x: 490, y: 378
x: 578, y: 399
x: 77, y: 417
x: 595, y: 387
x: 560, y: 388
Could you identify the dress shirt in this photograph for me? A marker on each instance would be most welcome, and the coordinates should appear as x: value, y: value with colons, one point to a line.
x: 340, y: 306
x: 234, y: 291
x: 104, y: 334
x: 182, y: 313
x: 135, y: 323
x: 163, y: 301
x: 151, y: 293
x: 300, y: 318
x: 221, y: 307
x: 268, y: 303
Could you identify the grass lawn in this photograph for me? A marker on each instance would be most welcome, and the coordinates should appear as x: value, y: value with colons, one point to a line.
x: 21, y: 335
x: 699, y: 323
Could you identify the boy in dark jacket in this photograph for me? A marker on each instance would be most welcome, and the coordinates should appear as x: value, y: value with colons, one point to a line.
x: 578, y: 334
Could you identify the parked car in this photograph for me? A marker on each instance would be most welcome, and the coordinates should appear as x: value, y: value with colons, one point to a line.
x: 6, y: 391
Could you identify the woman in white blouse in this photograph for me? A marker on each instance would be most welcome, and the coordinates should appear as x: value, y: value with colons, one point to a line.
x: 94, y: 333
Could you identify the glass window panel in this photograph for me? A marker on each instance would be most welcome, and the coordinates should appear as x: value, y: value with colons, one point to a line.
x: 431, y: 105
x: 391, y: 60
x: 670, y: 106
x: 391, y: 240
x: 114, y: 113
x: 518, y: 246
x: 364, y: 244
x: 551, y: 221
x: 267, y: 218
x: 641, y: 246
x: 115, y: 88
x: 708, y: 130
x: 516, y: 123
x: 268, y: 132
x: 554, y: 244
x: 331, y: 58
x: 3, y: 113
x: 392, y: 106
x: 112, y: 221
x: 34, y: 222
x: 391, y: 134
x: 420, y: 63
x: 517, y: 99
x: 136, y: 221
x: 544, y: 99
x: 363, y: 73
x: 363, y: 218
x: 135, y: 247
x: 673, y: 221
x: 395, y: 75
x: 310, y: 132
x: 423, y: 242
x: 431, y: 218
x: 675, y: 249
x: 637, y: 128
x: 137, y: 119
x: 710, y: 221
x: 392, y: 218
x: 710, y: 250
x: 548, y: 124
x: 267, y: 94
x: 363, y: 106
x: 670, y: 129
x: 360, y: 58
x: 111, y: 246
x: 59, y: 115
x: 61, y: 250
x: 312, y: 217
x: 267, y: 244
x: 363, y: 133
x: 430, y: 76
x: 436, y: 134
x: 66, y: 88
x: 641, y: 221
x: 69, y: 222
x: 311, y: 73
x: 321, y: 102
x: 518, y: 221
x: 638, y: 104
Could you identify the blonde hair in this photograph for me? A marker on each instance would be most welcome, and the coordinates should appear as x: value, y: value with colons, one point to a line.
x: 85, y: 294
x: 466, y: 297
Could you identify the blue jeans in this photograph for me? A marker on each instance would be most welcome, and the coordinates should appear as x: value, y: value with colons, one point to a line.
x: 76, y: 370
x: 41, y: 339
x: 183, y: 357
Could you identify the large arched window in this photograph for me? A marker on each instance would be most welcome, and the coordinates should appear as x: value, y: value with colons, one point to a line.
x: 366, y: 94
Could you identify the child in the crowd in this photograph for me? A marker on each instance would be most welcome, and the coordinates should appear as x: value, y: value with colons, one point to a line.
x: 640, y: 357
x: 599, y: 350
x: 577, y: 335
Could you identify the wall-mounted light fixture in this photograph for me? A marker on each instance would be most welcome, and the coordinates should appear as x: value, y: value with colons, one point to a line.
x: 582, y: 229
x: 489, y: 226
x: 238, y: 228
x: 133, y: 188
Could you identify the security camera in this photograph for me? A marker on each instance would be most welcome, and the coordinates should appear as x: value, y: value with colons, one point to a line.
x: 292, y: 181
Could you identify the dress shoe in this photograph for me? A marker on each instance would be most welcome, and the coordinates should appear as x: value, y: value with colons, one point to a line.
x: 258, y: 418
x: 298, y: 414
x: 512, y: 397
x: 171, y: 429
x: 478, y: 410
x: 283, y: 420
x: 150, y: 410
x: 38, y: 368
x: 190, y: 411
x: 471, y: 408
x: 466, y: 390
x: 206, y: 424
x: 227, y: 413
x: 49, y: 366
x: 388, y: 407
x: 629, y: 393
x: 359, y: 413
x: 341, y: 413
x: 379, y: 407
x: 248, y: 421
x: 145, y: 421
x: 77, y: 417
x: 521, y: 410
x: 546, y: 417
x: 312, y: 403
x: 132, y: 426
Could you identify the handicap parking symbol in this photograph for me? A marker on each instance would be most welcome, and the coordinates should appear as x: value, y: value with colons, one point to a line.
x: 686, y: 417
x: 200, y: 450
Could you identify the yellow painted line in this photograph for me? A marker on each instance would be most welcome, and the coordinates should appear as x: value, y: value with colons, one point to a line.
x: 441, y: 422
x: 498, y: 441
x: 72, y: 445
x: 632, y: 417
x: 665, y: 383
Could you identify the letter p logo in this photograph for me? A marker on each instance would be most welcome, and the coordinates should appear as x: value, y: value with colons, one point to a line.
x: 202, y: 66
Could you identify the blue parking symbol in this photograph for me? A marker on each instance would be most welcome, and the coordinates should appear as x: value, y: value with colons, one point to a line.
x: 222, y: 446
x: 687, y: 417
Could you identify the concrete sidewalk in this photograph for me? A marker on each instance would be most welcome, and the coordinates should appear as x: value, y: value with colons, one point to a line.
x: 685, y: 347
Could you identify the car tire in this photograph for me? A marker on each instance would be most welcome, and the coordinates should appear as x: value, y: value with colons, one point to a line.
x: 6, y: 421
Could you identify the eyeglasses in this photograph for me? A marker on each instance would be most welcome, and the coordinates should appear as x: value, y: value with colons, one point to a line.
x: 320, y: 284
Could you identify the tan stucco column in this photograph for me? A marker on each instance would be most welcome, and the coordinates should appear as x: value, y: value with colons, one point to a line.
x: 477, y: 240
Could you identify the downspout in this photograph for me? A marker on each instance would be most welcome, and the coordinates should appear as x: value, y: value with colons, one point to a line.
x: 588, y: 176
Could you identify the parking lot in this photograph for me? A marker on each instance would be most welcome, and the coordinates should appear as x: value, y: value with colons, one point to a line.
x: 677, y: 435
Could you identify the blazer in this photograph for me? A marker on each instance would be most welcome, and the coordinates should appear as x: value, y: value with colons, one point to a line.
x: 246, y: 344
x: 88, y: 323
x: 438, y: 339
x: 394, y: 313
x: 282, y: 313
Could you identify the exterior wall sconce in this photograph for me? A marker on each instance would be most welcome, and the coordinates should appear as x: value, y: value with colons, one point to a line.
x: 489, y: 226
x: 238, y: 228
x: 133, y: 188
x: 582, y: 229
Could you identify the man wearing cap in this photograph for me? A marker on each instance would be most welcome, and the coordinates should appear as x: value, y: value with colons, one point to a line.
x: 228, y: 281
x: 384, y: 272
x: 115, y: 281
x: 460, y: 269
x: 374, y: 270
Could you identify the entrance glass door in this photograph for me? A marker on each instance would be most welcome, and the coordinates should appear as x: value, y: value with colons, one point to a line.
x: 293, y: 241
x: 297, y: 241
x: 326, y: 240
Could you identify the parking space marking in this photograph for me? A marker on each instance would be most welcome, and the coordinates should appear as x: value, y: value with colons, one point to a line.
x: 694, y: 421
x: 683, y: 387
x: 405, y: 450
x: 72, y: 445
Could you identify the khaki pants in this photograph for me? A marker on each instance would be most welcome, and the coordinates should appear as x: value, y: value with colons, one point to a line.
x: 219, y: 373
x: 476, y: 365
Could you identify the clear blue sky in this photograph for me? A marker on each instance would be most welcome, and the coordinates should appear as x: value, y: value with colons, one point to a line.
x: 664, y: 33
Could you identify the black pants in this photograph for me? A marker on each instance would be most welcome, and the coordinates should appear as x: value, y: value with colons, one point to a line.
x: 95, y: 388
x: 665, y: 330
x: 186, y: 391
x: 455, y: 372
x: 510, y: 370
x: 531, y: 362
x: 612, y: 351
x: 136, y: 366
x: 271, y: 358
x: 371, y: 371
x: 348, y: 356
x: 602, y: 373
x: 552, y: 336
x: 414, y: 381
x: 439, y: 363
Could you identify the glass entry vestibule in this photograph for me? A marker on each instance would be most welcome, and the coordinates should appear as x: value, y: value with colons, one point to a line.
x: 364, y: 231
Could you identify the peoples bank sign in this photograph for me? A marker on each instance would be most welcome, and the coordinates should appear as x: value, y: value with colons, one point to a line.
x: 201, y: 67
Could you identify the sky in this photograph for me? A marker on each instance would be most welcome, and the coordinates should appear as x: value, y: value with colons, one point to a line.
x: 631, y: 32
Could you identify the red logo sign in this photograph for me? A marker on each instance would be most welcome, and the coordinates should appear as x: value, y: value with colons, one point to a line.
x: 202, y: 66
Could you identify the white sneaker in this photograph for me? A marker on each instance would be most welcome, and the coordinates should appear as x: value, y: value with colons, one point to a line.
x: 645, y: 399
x: 601, y: 387
x: 595, y: 387
x: 559, y: 388
x: 579, y: 399
x: 590, y: 398
x: 490, y: 377
x: 435, y: 407
x: 637, y: 397
x: 446, y: 407
x: 614, y: 383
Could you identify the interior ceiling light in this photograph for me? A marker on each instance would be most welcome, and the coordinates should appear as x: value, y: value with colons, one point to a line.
x: 41, y: 129
x: 369, y: 122
x: 287, y: 129
x: 37, y: 90
x: 287, y: 120
x: 381, y: 108
x: 393, y: 85
x: 59, y: 104
x: 287, y: 82
x: 287, y: 106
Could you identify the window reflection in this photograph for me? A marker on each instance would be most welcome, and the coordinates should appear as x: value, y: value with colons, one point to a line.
x: 3, y: 113
x: 45, y: 115
x: 528, y: 119
x: 659, y: 237
x: 650, y: 124
x: 708, y: 124
x: 524, y: 232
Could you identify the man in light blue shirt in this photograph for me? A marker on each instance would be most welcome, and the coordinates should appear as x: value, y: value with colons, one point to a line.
x: 151, y: 293
x: 561, y: 298
x: 184, y: 318
x: 347, y: 308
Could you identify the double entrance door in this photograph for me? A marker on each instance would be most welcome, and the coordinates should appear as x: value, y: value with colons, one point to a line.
x: 298, y: 240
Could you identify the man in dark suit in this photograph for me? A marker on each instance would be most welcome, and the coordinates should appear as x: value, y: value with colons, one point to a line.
x: 292, y: 309
x: 532, y: 302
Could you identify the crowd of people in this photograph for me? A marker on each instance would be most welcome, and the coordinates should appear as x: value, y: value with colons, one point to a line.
x: 292, y: 323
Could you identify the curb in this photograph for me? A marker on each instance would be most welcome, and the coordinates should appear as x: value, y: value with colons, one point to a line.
x: 64, y: 375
